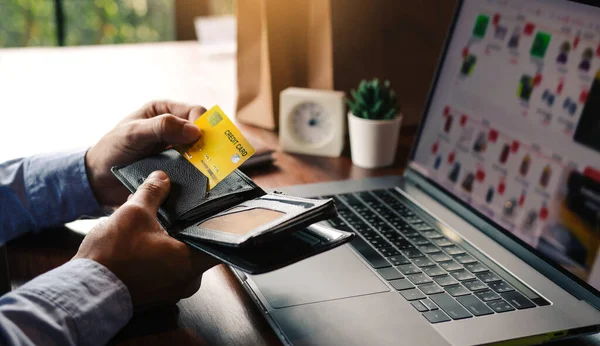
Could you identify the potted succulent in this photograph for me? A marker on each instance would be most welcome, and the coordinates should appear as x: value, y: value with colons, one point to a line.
x: 374, y: 123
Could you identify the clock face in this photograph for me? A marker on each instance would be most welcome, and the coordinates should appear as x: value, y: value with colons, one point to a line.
x: 310, y: 123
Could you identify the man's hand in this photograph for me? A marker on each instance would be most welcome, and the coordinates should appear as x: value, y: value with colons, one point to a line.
x: 145, y: 132
x: 156, y: 268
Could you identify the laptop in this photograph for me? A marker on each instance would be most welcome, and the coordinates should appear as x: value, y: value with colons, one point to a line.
x: 492, y: 233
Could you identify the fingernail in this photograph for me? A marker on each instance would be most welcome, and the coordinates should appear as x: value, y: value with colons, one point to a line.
x: 190, y: 132
x: 160, y: 175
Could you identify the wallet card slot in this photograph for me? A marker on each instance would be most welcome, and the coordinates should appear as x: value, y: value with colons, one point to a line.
x: 256, y: 221
x: 234, y: 189
x: 295, y: 202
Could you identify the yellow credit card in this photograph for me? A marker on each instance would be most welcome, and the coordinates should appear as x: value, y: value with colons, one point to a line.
x: 221, y: 149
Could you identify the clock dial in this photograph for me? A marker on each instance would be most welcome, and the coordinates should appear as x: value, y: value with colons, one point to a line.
x: 310, y: 123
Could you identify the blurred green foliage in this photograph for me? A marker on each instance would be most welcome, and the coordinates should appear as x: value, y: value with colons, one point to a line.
x: 87, y: 22
x: 27, y: 23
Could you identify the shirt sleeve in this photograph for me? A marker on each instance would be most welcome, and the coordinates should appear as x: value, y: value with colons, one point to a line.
x: 79, y: 303
x: 43, y: 191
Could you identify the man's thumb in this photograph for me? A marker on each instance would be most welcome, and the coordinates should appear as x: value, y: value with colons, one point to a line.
x: 153, y: 192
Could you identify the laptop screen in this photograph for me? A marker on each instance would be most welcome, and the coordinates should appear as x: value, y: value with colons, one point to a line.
x: 513, y: 124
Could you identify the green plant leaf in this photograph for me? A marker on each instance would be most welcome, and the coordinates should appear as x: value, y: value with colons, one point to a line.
x: 391, y: 114
x: 373, y: 99
x: 358, y: 99
x: 377, y: 107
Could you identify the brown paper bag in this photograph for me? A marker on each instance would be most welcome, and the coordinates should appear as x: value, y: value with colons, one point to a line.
x: 271, y: 56
x: 333, y: 44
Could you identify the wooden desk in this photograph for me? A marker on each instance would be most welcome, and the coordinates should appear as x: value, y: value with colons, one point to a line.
x: 221, y: 313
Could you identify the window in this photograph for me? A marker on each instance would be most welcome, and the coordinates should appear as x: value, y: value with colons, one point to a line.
x: 84, y: 22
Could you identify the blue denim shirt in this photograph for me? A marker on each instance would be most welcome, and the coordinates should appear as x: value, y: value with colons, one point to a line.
x: 79, y: 303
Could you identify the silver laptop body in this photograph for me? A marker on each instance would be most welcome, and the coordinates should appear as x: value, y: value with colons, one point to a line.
x: 507, y: 273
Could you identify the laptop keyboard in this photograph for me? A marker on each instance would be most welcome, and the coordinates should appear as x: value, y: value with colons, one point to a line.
x: 439, y: 278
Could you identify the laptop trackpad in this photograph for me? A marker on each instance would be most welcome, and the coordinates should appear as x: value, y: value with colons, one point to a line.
x: 332, y: 275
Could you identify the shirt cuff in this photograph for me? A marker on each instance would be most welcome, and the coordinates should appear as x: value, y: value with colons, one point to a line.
x: 58, y: 189
x: 96, y: 300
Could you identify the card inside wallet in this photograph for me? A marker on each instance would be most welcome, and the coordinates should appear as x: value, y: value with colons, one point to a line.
x: 237, y: 221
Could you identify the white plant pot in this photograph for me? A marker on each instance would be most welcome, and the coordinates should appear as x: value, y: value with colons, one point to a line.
x: 373, y: 143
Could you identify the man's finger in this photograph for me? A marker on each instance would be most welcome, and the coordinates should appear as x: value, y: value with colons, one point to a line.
x: 195, y: 113
x: 162, y: 130
x: 153, y: 192
x: 191, y: 288
x: 180, y: 110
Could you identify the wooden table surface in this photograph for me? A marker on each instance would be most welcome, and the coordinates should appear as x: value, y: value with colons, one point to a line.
x: 220, y: 313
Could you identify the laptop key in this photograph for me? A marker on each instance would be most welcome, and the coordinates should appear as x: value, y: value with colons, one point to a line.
x: 450, y: 306
x: 436, y: 316
x: 429, y: 249
x: 488, y: 277
x: 440, y: 257
x: 390, y: 273
x: 423, y: 262
x: 336, y: 222
x: 476, y: 267
x: 500, y: 306
x: 431, y: 288
x: 382, y: 193
x: 389, y: 233
x: 419, y: 240
x: 442, y: 242
x: 412, y: 253
x: 434, y: 271
x: 432, y: 234
x: 462, y: 275
x: 379, y: 243
x: 398, y: 260
x: 457, y: 291
x: 419, y: 279
x: 454, y: 250
x: 474, y: 305
x: 412, y: 294
x: 487, y: 295
x: 389, y: 251
x: 401, y: 284
x: 410, y: 217
x: 367, y: 233
x: 451, y: 266
x: 408, y: 269
x: 501, y: 287
x: 419, y: 306
x: 370, y: 236
x: 475, y: 285
x: 464, y: 259
x: 409, y: 232
x: 429, y: 304
x: 445, y: 280
x: 422, y: 227
x: 402, y: 244
x: 365, y: 196
x: 517, y: 300
x: 375, y: 259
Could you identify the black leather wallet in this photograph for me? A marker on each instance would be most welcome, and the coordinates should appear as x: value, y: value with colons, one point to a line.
x: 236, y: 221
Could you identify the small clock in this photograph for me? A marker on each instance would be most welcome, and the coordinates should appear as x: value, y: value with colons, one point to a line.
x: 312, y: 121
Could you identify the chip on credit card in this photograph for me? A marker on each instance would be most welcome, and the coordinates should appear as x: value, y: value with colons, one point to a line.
x: 221, y: 149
